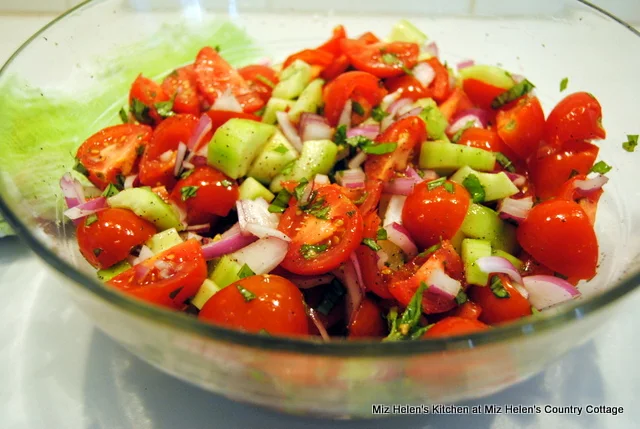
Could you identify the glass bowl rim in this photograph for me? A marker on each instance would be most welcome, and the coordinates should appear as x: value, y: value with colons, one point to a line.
x: 362, y: 348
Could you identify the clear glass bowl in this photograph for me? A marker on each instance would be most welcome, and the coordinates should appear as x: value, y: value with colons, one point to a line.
x: 70, y: 80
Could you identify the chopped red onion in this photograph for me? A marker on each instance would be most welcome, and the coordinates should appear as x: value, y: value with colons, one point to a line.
x: 413, y: 112
x: 395, y: 107
x: 130, y: 181
x: 498, y: 264
x: 72, y: 191
x: 188, y: 166
x: 439, y: 282
x: 424, y: 74
x: 199, y: 160
x: 314, y: 127
x: 429, y: 175
x: 254, y: 218
x: 587, y: 187
x: 166, y: 156
x: 398, y: 235
x: 388, y: 99
x: 413, y: 174
x: 199, y: 228
x: 263, y: 255
x: 87, y: 208
x: 145, y: 253
x: 234, y: 230
x: 345, y: 116
x: 140, y: 271
x: 383, y: 257
x: 182, y: 153
x: 478, y: 117
x: 518, y: 179
x: 321, y: 179
x: 308, y: 282
x: 262, y: 231
x: 306, y: 193
x: 353, y: 178
x: 355, y: 291
x: 356, y: 265
x: 227, y: 102
x: 431, y: 48
x: 521, y: 290
x: 545, y: 291
x: 517, y: 210
x: 205, y: 126
x: 393, y: 214
x: 369, y: 131
x: 464, y: 64
x: 357, y: 160
x: 226, y: 245
x: 400, y: 186
x: 289, y: 130
x: 318, y: 323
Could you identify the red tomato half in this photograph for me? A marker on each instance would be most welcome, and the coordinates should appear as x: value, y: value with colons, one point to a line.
x: 498, y: 310
x: 313, y: 57
x: 259, y: 303
x: 148, y: 93
x: 168, y: 278
x: 521, y: 126
x: 181, y: 83
x: 361, y: 87
x: 367, y: 321
x: 372, y: 278
x: 577, y: 117
x: 333, y: 45
x: 407, y: 86
x: 381, y: 59
x: 468, y: 310
x: 261, y: 79
x: 440, y: 87
x: 112, y: 152
x: 486, y: 139
x: 481, y: 93
x: 322, y: 238
x: 456, y: 102
x: 452, y: 326
x: 109, y: 237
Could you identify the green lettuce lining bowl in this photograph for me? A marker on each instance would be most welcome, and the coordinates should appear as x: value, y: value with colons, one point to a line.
x: 71, y: 78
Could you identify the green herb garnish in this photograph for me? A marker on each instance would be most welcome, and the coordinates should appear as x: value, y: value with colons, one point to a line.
x: 406, y: 326
x: 357, y: 108
x: 512, y: 94
x: 281, y: 202
x: 266, y: 81
x: 371, y: 244
x: 475, y: 188
x: 631, y: 143
x: 246, y: 294
x: 123, y: 116
x: 92, y: 218
x: 110, y: 190
x: 380, y: 148
x: 281, y: 149
x: 381, y: 234
x: 141, y: 112
x: 448, y: 186
x: 378, y: 114
x: 461, y: 297
x: 226, y: 183
x: 97, y: 252
x: 310, y: 251
x: 332, y: 296
x: 505, y: 162
x: 186, y: 174
x: 188, y: 192
x: 563, y: 84
x: 165, y: 108
x: 340, y: 136
x: 245, y: 271
x: 458, y: 134
x: 430, y: 250
x: 498, y: 288
x: 601, y: 167
x: 80, y: 168
x: 435, y: 183
x: 298, y: 191
x: 362, y: 199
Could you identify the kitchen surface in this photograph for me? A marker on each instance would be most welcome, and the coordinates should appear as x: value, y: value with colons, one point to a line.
x: 58, y: 371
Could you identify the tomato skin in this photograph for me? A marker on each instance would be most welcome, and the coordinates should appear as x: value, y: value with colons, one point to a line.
x: 339, y: 65
x: 252, y: 74
x: 368, y: 38
x: 313, y: 57
x: 214, y: 76
x: 407, y: 86
x: 333, y: 45
x: 112, y: 236
x: 149, y: 93
x: 186, y: 271
x: 521, y: 126
x: 117, y: 148
x: 182, y: 83
x: 481, y: 93
x: 498, y: 310
x: 468, y: 310
x: 440, y: 87
x: 456, y: 102
x: 452, y: 326
x: 589, y: 202
x: 550, y: 172
x: 342, y: 232
x: 167, y: 136
x: 212, y: 198
x: 576, y: 117
x: 408, y: 133
x: 434, y: 215
x: 367, y: 321
x: 355, y: 85
x: 559, y: 235
x: 486, y: 139
x: 369, y: 57
x: 374, y: 281
x: 278, y: 307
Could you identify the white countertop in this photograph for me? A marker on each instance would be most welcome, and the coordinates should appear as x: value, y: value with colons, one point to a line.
x: 58, y: 371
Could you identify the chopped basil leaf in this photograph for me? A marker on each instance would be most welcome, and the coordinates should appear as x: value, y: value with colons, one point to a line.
x: 97, y: 252
x: 246, y: 294
x: 110, y: 191
x: 141, y: 111
x: 534, y: 311
x: 92, y: 218
x: 512, y: 94
x: 631, y: 143
x: 140, y: 150
x: 573, y: 173
x: 332, y: 296
x: 461, y: 297
x: 511, y: 125
x: 260, y: 112
x: 281, y: 202
x: 406, y: 327
x: 381, y: 234
x: 351, y: 213
x: 298, y: 191
x: 475, y: 188
x: 435, y: 183
x: 458, y: 134
x: 226, y: 183
x: 419, y: 332
x: 288, y: 168
x: 264, y: 332
x: 448, y: 186
x: 120, y: 179
x: 188, y: 192
x: 392, y: 59
x: 80, y: 168
x: 380, y: 148
x: 186, y: 174
x: 266, y: 81
x: 378, y: 114
x: 165, y: 108
x: 123, y: 116
x: 175, y: 292
x: 505, y: 162
x: 392, y: 319
x: 316, y: 206
x: 310, y: 251
x: 245, y: 271
x: 357, y: 108
x: 340, y: 136
x: 281, y: 149
x: 430, y: 250
x: 498, y: 288
x: 563, y: 84
x: 601, y: 167
x: 371, y: 244
x: 362, y: 199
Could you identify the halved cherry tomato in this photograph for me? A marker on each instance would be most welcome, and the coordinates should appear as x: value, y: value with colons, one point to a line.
x: 498, y: 310
x: 109, y: 237
x: 407, y: 86
x: 432, y: 215
x: 324, y: 236
x: 214, y: 76
x: 486, y: 139
x: 559, y: 235
x: 468, y: 310
x: 182, y: 83
x: 358, y: 86
x: 205, y: 193
x: 457, y: 102
x: 372, y: 278
x: 367, y: 198
x: 339, y: 65
x: 112, y: 152
x: 168, y: 278
x: 368, y: 38
x: 367, y: 321
x: 481, y: 93
x: 406, y: 281
x: 452, y: 326
x: 408, y: 133
x: 521, y: 126
x: 313, y: 57
x: 220, y: 117
x: 440, y: 86
x: 381, y: 59
x: 333, y: 45
x: 576, y: 117
x: 550, y: 172
x: 148, y: 93
x: 588, y: 202
x: 259, y: 303
x: 261, y: 79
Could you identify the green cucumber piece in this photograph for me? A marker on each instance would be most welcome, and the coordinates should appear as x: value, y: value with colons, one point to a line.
x: 433, y: 118
x: 164, y: 240
x: 293, y: 80
x: 206, y: 291
x: 225, y: 272
x: 496, y: 186
x: 404, y: 31
x: 149, y: 206
x: 489, y: 74
x: 509, y: 257
x: 236, y: 144
x: 273, y: 106
x: 456, y: 241
x: 485, y: 224
x: 317, y: 157
x: 277, y: 153
x: 252, y: 189
x: 445, y: 158
x: 108, y: 273
x: 472, y: 250
x: 309, y: 100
